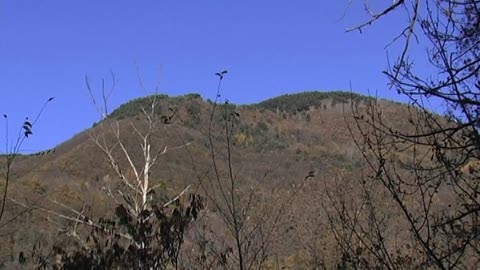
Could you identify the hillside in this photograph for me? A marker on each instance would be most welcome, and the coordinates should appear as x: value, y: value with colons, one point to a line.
x: 311, y: 123
x: 275, y: 144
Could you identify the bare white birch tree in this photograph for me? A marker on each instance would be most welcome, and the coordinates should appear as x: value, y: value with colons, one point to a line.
x: 143, y: 234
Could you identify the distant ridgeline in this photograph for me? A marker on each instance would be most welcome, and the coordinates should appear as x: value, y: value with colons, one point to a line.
x: 289, y: 103
x: 194, y: 105
x: 304, y: 101
x: 135, y: 106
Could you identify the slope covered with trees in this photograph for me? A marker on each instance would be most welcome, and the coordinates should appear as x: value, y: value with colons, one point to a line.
x: 274, y: 159
x: 311, y: 180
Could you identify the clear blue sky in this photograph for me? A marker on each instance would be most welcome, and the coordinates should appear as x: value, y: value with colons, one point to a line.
x: 269, y: 47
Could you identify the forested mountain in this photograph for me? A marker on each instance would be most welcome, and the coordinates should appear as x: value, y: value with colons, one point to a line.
x: 277, y: 176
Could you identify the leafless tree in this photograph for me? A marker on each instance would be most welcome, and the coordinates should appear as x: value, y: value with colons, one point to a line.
x: 143, y: 233
x: 244, y: 220
x: 429, y: 167
x: 12, y: 150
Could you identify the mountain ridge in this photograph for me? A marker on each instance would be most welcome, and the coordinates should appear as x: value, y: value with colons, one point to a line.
x: 301, y: 101
x: 274, y: 144
x: 298, y: 123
